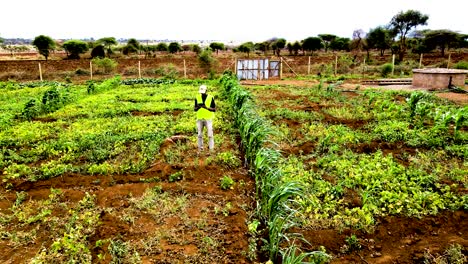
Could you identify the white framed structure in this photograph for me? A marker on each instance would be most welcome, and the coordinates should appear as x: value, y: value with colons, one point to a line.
x: 257, y: 69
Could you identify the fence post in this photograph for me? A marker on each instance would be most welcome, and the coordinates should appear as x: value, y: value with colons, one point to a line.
x: 308, y: 67
x: 336, y: 63
x: 364, y: 67
x: 185, y: 70
x: 393, y: 64
x: 281, y: 68
x: 91, y: 69
x: 448, y: 61
x: 40, y: 72
x: 139, y: 69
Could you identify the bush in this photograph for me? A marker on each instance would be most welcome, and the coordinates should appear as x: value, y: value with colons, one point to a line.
x: 386, y: 69
x: 105, y: 65
x: 462, y: 65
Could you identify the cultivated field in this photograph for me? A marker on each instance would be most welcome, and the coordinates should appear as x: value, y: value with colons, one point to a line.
x: 108, y: 172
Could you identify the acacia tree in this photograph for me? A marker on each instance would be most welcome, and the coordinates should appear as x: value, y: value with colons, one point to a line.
x: 327, y: 39
x: 312, y: 44
x: 340, y: 44
x: 402, y: 23
x: 379, y: 38
x: 278, y: 45
x: 246, y: 47
x: 132, y: 46
x: 108, y: 42
x: 217, y: 46
x: 74, y: 48
x: 44, y: 45
x: 441, y: 39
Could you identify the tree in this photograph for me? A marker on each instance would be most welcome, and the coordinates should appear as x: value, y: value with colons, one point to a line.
x: 442, y: 39
x: 132, y: 46
x: 263, y: 46
x: 108, y: 42
x: 174, y: 47
x: 296, y: 47
x: 327, y: 39
x: 246, y: 47
x: 217, y: 46
x: 340, y: 44
x: 402, y: 23
x: 278, y: 45
x: 379, y: 38
x: 196, y: 48
x: 312, y: 44
x: 44, y: 45
x: 162, y: 47
x: 98, y: 52
x: 74, y: 48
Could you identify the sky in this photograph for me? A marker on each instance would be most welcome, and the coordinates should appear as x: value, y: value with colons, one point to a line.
x: 238, y: 20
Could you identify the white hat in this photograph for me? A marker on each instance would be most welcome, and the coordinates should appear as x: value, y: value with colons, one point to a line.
x: 202, y: 89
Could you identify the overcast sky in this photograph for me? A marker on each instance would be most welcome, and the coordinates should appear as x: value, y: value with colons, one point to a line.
x: 237, y: 20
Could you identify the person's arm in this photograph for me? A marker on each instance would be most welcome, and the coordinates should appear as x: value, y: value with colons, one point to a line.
x: 196, y: 107
x: 212, y: 107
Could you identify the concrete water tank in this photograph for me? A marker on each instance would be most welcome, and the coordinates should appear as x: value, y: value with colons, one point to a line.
x: 438, y: 78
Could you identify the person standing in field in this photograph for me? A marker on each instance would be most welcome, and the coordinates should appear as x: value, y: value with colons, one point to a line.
x: 205, y: 107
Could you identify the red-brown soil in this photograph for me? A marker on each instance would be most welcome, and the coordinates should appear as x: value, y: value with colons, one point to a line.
x: 395, y: 239
x: 201, y: 184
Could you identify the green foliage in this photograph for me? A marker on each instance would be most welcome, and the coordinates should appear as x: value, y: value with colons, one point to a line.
x: 174, y: 47
x: 177, y: 176
x: 386, y: 69
x: 44, y: 45
x: 104, y: 65
x: 226, y: 182
x: 206, y: 60
x: 462, y: 65
x: 74, y: 48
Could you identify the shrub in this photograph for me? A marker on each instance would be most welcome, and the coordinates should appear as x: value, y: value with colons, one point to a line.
x: 386, y: 69
x: 226, y: 182
x: 462, y: 65
x: 105, y: 65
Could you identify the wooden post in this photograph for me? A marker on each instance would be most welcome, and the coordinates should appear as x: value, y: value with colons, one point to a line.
x: 281, y: 68
x: 308, y: 67
x: 420, y: 61
x: 139, y: 69
x: 336, y: 63
x: 448, y: 62
x: 91, y: 69
x: 393, y: 64
x: 40, y: 72
x: 185, y: 70
x: 235, y: 66
x: 364, y: 67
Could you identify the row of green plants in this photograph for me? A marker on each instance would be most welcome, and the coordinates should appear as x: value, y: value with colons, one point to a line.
x: 423, y: 174
x: 275, y: 213
x: 124, y: 124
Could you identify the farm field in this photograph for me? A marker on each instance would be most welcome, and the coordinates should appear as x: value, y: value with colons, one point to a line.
x: 384, y: 174
x: 108, y: 172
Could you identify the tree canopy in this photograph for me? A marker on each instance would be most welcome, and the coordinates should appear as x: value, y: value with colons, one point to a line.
x: 442, y: 39
x: 217, y: 46
x: 44, y: 45
x: 174, y: 47
x: 74, y: 48
x: 312, y: 44
x: 402, y: 23
x: 108, y: 42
